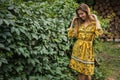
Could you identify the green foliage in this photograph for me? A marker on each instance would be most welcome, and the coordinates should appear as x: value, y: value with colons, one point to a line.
x: 108, y: 54
x: 101, y: 73
x: 88, y: 2
x: 99, y: 47
x: 33, y: 39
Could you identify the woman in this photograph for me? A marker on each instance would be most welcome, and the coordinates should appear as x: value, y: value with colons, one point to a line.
x: 84, y: 26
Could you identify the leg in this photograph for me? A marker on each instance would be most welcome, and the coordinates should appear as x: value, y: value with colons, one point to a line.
x: 81, y: 77
x: 88, y: 77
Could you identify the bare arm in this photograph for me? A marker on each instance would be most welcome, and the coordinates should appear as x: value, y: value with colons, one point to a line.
x: 73, y: 22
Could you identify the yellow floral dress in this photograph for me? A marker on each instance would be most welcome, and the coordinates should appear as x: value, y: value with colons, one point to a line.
x: 82, y: 58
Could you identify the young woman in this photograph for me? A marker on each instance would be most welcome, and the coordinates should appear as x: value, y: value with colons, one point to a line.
x: 84, y: 26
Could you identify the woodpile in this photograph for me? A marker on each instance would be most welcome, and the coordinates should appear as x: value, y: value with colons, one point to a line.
x: 103, y: 8
x: 114, y: 26
x: 110, y: 9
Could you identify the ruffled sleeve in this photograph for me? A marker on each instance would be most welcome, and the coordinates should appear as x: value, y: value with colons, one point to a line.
x: 71, y: 32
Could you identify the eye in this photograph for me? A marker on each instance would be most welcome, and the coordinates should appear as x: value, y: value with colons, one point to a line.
x: 80, y: 13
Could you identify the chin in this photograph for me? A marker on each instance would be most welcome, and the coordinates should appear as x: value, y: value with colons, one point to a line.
x: 83, y: 18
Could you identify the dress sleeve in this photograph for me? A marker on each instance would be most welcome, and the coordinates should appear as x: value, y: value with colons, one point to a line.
x: 98, y: 32
x: 71, y: 32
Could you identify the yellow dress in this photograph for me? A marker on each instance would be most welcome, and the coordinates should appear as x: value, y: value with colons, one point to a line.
x: 82, y: 58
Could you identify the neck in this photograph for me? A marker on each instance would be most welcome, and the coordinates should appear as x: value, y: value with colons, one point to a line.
x: 87, y: 20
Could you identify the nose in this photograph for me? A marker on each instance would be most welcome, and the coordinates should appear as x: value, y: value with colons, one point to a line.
x: 80, y: 16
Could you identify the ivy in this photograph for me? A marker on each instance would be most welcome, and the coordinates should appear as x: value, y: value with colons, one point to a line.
x: 33, y: 39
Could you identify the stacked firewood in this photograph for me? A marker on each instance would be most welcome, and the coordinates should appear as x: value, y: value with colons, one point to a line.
x: 110, y: 9
x: 103, y: 8
x: 114, y: 26
x: 115, y: 21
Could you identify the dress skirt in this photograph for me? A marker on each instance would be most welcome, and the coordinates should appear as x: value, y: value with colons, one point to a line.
x: 82, y: 59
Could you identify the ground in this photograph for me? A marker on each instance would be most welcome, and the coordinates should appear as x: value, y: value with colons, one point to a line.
x: 110, y: 55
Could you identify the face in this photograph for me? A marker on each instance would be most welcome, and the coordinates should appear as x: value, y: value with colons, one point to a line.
x: 82, y: 14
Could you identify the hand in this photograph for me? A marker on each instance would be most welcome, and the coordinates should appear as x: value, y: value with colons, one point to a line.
x: 98, y: 26
x: 74, y: 18
x: 95, y: 17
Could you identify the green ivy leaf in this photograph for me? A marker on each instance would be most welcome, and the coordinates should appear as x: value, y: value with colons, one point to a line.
x: 1, y: 21
x: 2, y: 45
x: 6, y: 21
x: 35, y: 36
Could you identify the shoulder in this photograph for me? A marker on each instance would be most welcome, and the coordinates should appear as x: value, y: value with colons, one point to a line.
x: 93, y: 22
x: 94, y: 16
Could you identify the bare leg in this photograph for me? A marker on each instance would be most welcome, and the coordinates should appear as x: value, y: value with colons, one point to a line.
x: 88, y: 77
x: 81, y: 77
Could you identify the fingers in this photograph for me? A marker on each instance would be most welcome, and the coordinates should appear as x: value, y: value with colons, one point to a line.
x: 94, y: 16
x: 75, y: 18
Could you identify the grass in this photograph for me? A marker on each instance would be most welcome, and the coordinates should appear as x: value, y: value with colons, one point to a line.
x: 109, y: 54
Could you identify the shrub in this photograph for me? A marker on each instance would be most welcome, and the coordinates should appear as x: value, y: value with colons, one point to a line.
x: 33, y: 39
